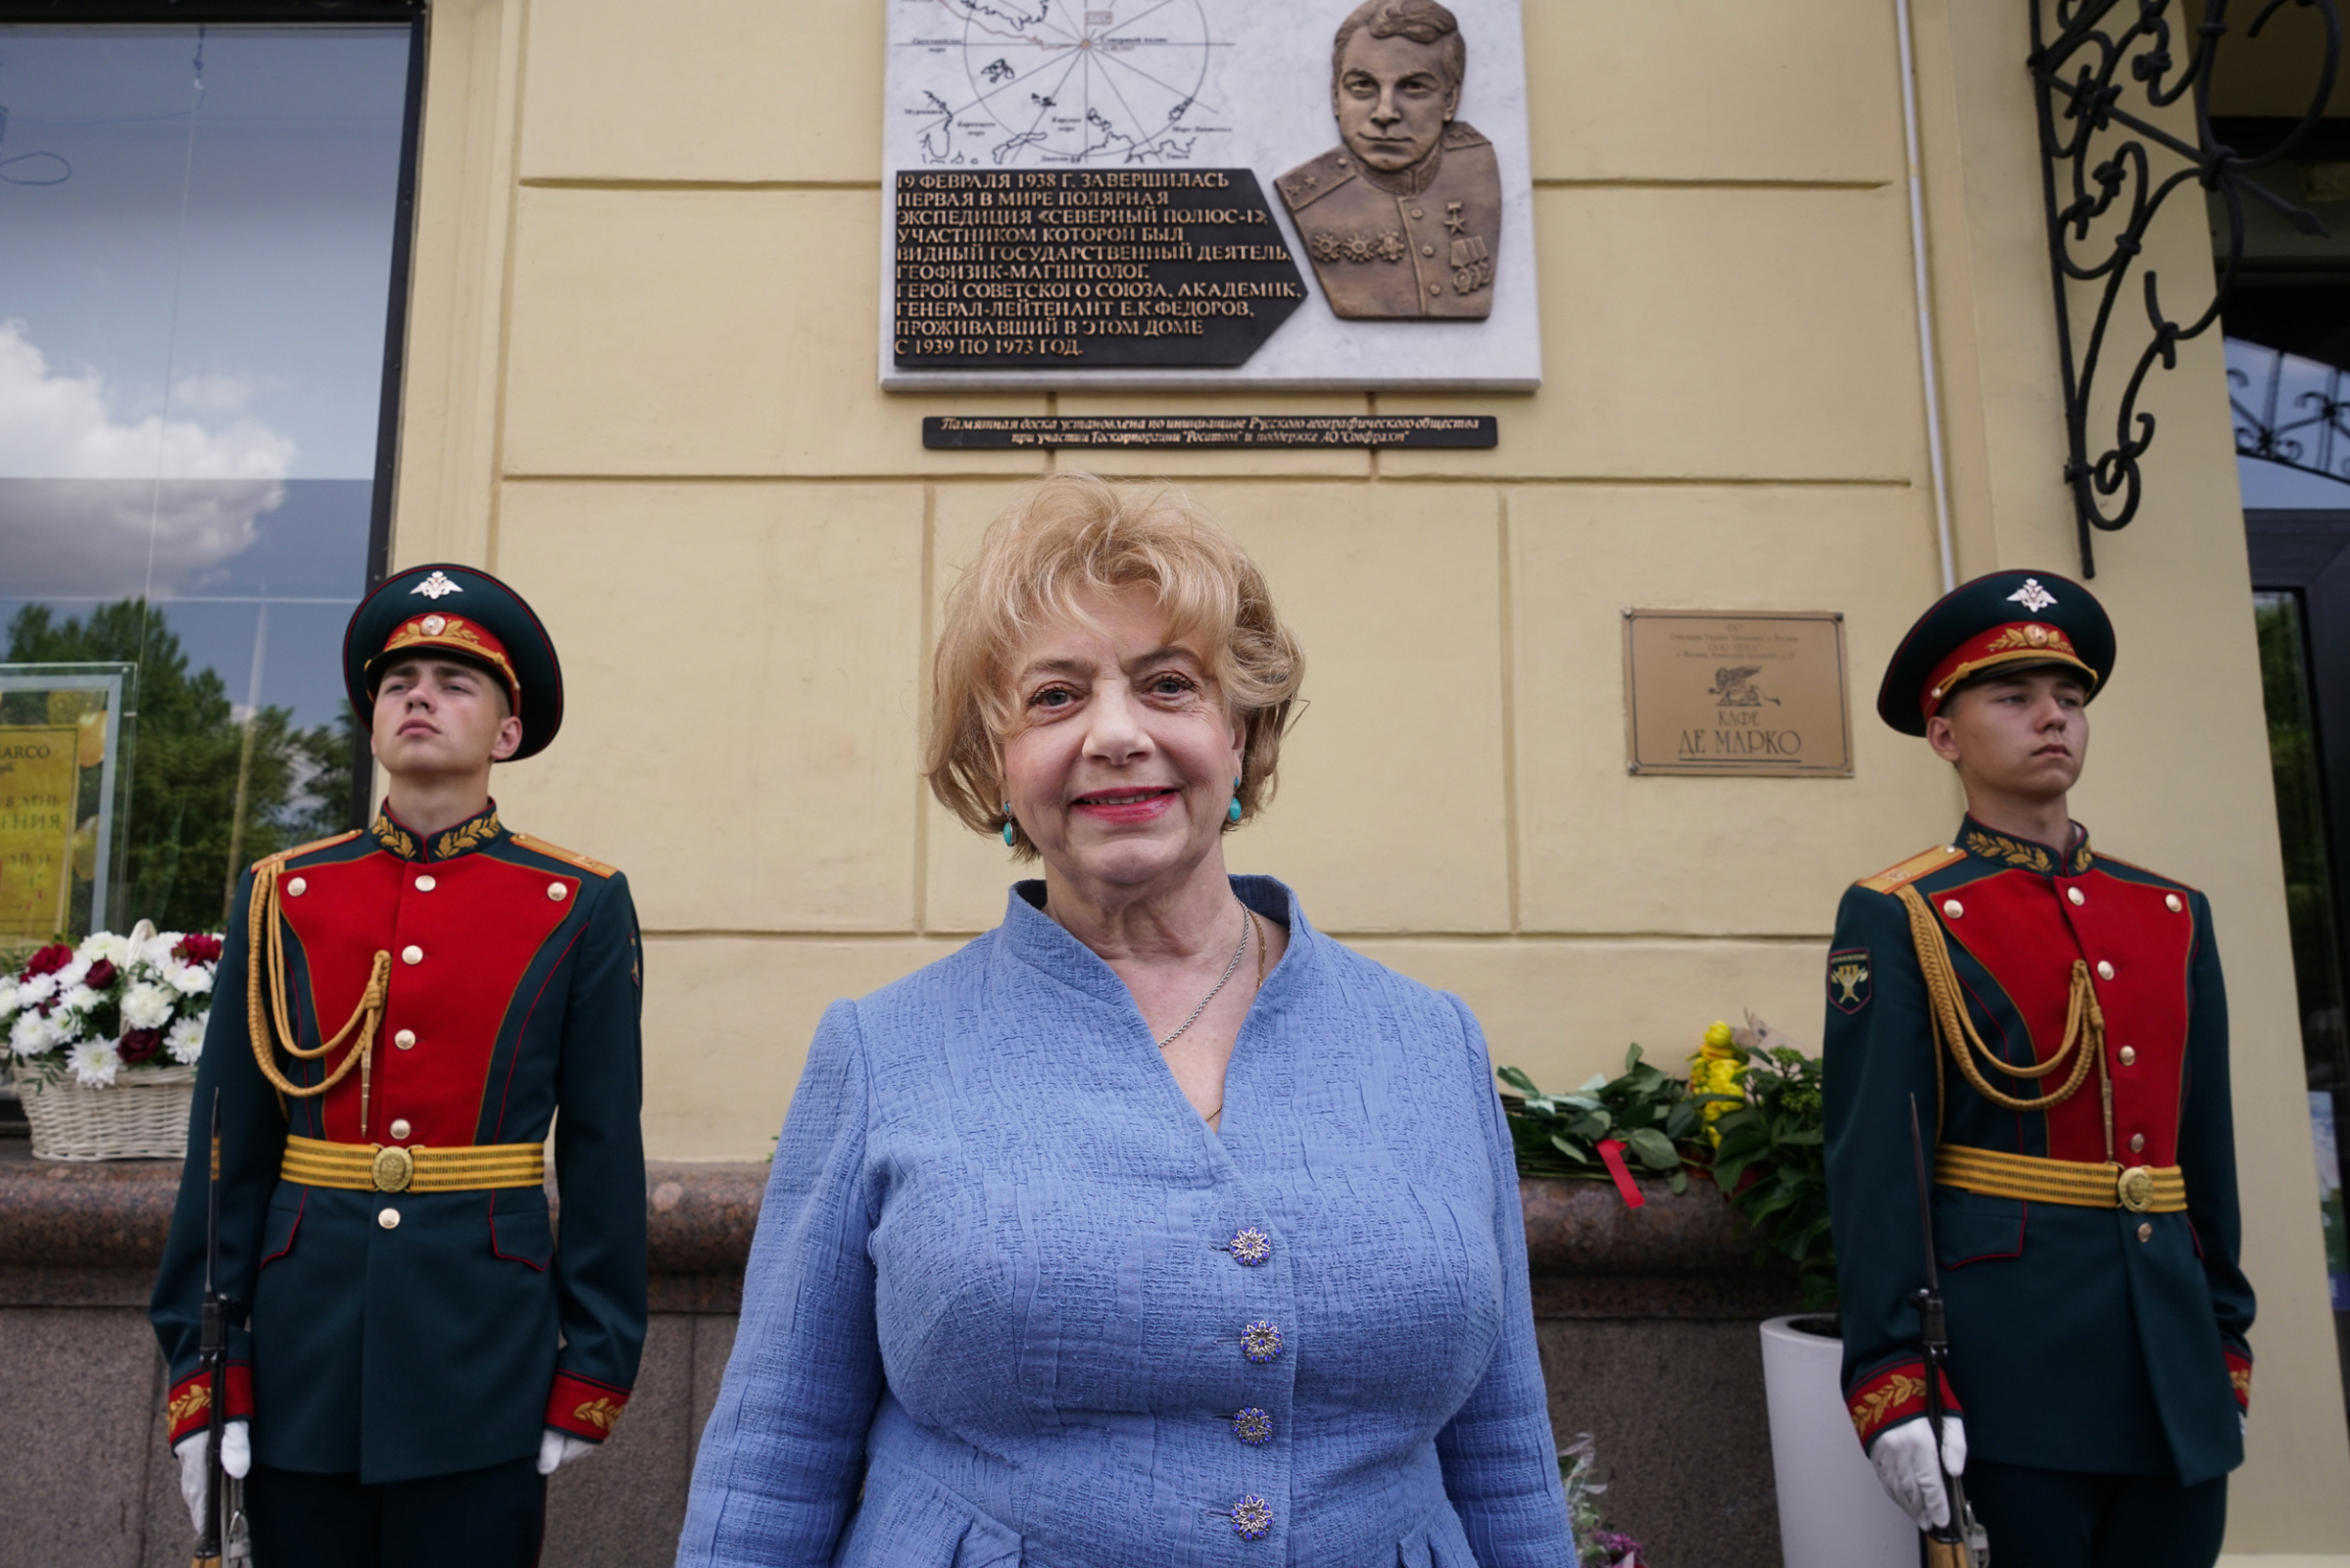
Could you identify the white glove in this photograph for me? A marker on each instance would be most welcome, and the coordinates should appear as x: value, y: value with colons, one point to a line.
x: 236, y: 1459
x: 556, y: 1448
x: 1907, y: 1470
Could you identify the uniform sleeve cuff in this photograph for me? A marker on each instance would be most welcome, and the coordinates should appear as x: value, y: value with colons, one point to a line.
x: 190, y: 1403
x: 2240, y: 1376
x: 1892, y: 1396
x: 583, y: 1408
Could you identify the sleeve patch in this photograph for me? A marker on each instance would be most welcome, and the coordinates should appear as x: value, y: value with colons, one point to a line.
x: 1848, y: 979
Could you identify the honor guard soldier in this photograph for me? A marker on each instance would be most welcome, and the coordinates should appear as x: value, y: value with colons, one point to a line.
x: 2057, y: 1016
x: 402, y: 1015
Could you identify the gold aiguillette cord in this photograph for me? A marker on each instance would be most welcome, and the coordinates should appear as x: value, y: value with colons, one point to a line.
x: 265, y: 933
x: 2084, y: 1021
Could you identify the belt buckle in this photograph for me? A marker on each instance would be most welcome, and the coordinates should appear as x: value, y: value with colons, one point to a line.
x: 2136, y: 1189
x: 395, y: 1168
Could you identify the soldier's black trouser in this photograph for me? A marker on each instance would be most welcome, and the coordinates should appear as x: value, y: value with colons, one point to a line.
x: 487, y: 1518
x: 2073, y: 1519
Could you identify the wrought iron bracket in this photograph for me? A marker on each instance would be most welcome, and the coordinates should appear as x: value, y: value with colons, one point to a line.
x: 2101, y: 71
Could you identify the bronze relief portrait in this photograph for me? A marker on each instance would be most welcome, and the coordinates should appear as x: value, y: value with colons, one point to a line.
x: 1402, y: 219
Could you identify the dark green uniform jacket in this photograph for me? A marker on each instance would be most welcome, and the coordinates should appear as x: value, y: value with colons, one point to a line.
x: 411, y: 1334
x: 2082, y: 1339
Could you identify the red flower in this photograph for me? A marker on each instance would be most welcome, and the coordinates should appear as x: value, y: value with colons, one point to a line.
x: 198, y: 948
x: 140, y: 1045
x: 49, y: 960
x: 102, y: 974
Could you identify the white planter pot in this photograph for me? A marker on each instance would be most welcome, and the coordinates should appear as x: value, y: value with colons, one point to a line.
x: 1831, y: 1512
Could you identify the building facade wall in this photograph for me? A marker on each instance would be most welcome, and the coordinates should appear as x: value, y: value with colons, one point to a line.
x: 639, y: 384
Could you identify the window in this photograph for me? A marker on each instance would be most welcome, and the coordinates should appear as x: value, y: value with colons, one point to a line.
x: 203, y: 251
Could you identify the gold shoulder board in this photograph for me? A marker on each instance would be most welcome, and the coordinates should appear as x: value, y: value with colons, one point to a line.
x: 1916, y: 866
x: 586, y: 863
x: 327, y: 843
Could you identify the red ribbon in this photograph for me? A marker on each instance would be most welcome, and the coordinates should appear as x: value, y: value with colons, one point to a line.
x: 1611, y: 1154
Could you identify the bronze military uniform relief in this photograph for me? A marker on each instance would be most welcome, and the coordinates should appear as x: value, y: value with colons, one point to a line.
x: 1403, y: 218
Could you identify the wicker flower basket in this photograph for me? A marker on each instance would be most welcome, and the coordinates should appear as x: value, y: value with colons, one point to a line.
x: 143, y: 1116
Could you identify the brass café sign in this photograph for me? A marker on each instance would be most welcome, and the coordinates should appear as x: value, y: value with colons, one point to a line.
x: 1723, y: 692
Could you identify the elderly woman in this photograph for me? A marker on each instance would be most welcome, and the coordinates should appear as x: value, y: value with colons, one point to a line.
x: 1153, y: 1227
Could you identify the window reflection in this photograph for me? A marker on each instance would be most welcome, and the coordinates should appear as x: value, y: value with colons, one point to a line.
x: 196, y: 242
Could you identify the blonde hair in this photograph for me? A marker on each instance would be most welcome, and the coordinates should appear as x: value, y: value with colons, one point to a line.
x: 1075, y: 535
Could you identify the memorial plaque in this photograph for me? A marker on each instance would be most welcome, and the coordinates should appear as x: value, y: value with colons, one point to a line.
x: 1161, y: 193
x: 1757, y: 692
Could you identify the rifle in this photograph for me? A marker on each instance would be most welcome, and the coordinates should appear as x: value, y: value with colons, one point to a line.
x: 222, y: 1496
x: 1962, y: 1543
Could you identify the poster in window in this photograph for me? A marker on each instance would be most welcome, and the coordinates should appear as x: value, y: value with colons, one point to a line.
x: 40, y: 782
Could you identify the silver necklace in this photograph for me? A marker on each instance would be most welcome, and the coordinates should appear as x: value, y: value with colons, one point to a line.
x: 1229, y: 970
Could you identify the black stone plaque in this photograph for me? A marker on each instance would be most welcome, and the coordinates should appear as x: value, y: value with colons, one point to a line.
x: 1084, y: 269
x: 990, y: 432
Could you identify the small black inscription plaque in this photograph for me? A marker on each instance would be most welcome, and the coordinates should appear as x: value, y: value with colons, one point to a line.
x: 988, y: 431
x: 1085, y: 269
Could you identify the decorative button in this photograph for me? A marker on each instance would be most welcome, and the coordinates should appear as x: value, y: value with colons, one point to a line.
x: 1416, y: 213
x: 1260, y: 1342
x: 411, y: 953
x: 389, y: 1219
x: 426, y: 884
x: 2146, y: 1231
x: 1953, y: 908
x: 1252, y: 1426
x: 2076, y: 896
x: 557, y: 892
x: 2137, y: 1143
x: 405, y: 1039
x: 2171, y: 903
x: 1433, y: 289
x: 296, y: 888
x: 1250, y: 1518
x: 1428, y: 250
x: 400, y: 1127
x: 2130, y: 1056
x: 2105, y: 971
x: 1251, y: 1247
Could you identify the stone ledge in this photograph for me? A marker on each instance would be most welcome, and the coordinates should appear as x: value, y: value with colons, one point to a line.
x: 90, y: 1235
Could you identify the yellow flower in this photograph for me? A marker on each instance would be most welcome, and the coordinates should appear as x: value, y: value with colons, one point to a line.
x: 1715, y: 1068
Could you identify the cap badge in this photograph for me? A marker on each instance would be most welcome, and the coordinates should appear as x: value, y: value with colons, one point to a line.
x: 434, y: 625
x: 2032, y: 596
x: 438, y: 584
x: 2037, y: 636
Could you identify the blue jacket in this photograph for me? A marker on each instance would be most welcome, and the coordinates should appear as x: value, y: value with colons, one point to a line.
x: 1008, y: 1286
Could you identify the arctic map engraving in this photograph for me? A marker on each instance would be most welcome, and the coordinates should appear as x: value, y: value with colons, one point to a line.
x: 1002, y: 86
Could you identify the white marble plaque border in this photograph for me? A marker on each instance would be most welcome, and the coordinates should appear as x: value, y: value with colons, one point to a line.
x: 1263, y: 103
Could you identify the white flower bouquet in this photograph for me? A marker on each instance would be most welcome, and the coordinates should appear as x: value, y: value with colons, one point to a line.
x: 104, y: 1039
x: 114, y: 1003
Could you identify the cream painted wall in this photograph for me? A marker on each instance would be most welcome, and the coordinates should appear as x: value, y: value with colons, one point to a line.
x: 639, y: 384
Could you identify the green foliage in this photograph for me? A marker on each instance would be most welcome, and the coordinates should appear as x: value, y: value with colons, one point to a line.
x: 187, y: 754
x: 1771, y: 1160
x: 1772, y: 1163
x: 1647, y: 1110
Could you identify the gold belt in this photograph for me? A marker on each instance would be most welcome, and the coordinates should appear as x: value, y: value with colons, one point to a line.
x: 2140, y: 1189
x: 376, y: 1168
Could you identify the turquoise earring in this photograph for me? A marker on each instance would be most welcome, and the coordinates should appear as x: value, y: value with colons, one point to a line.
x: 1232, y: 813
x: 1010, y: 833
